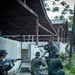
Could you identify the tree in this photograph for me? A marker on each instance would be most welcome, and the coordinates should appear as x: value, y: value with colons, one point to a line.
x: 70, y: 23
x: 55, y: 8
x: 65, y: 10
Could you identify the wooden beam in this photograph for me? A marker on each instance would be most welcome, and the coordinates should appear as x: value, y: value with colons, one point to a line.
x: 26, y: 7
x: 47, y: 16
x: 61, y: 27
x: 45, y: 29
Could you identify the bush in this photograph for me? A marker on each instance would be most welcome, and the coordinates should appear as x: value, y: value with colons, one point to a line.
x: 62, y: 56
x: 66, y: 65
x: 72, y: 69
x: 73, y: 56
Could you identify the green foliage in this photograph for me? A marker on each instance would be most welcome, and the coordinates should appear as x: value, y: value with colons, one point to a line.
x: 54, y: 2
x: 70, y: 24
x: 71, y: 74
x: 63, y: 3
x: 70, y: 18
x: 46, y: 5
x: 73, y: 56
x: 62, y: 56
x: 57, y: 0
x: 48, y: 9
x: 72, y: 69
x: 66, y: 9
x: 55, y: 9
x: 62, y: 17
x: 64, y: 12
x: 67, y: 6
x: 66, y: 65
x: 74, y: 39
x: 71, y: 11
x: 56, y: 17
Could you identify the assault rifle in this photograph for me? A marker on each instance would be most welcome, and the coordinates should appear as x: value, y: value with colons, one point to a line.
x: 11, y: 63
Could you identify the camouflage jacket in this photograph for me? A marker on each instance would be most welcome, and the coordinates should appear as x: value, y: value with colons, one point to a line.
x: 54, y: 66
x: 36, y: 63
x: 52, y: 49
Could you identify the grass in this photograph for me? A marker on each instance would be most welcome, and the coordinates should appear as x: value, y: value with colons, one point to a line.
x: 70, y: 71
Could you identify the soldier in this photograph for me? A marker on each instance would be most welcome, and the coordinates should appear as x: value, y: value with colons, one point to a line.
x: 55, y: 66
x: 51, y: 49
x: 3, y: 54
x: 35, y: 65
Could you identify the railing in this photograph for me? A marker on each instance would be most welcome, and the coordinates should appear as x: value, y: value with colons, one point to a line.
x: 32, y: 38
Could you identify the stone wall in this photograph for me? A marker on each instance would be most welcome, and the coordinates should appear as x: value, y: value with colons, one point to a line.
x: 14, y: 50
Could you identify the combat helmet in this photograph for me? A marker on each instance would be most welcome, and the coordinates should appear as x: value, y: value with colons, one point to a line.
x: 50, y: 41
x: 2, y: 52
x: 37, y: 54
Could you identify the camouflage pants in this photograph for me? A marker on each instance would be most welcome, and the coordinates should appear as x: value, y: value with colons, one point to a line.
x: 36, y: 72
x: 57, y: 73
x: 60, y: 73
x: 32, y: 73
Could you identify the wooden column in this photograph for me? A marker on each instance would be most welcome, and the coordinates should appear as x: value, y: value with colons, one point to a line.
x: 61, y: 35
x: 58, y: 34
x: 64, y: 36
x: 21, y: 44
x: 37, y: 30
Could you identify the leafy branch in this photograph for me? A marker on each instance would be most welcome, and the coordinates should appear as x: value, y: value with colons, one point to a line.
x: 56, y: 8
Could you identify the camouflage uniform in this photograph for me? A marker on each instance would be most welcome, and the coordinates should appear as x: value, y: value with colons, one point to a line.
x: 2, y: 69
x: 1, y: 59
x: 55, y: 66
x: 51, y: 49
x: 35, y: 65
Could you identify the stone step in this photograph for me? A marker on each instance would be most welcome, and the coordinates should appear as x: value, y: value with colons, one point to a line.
x: 23, y: 73
x: 25, y: 69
